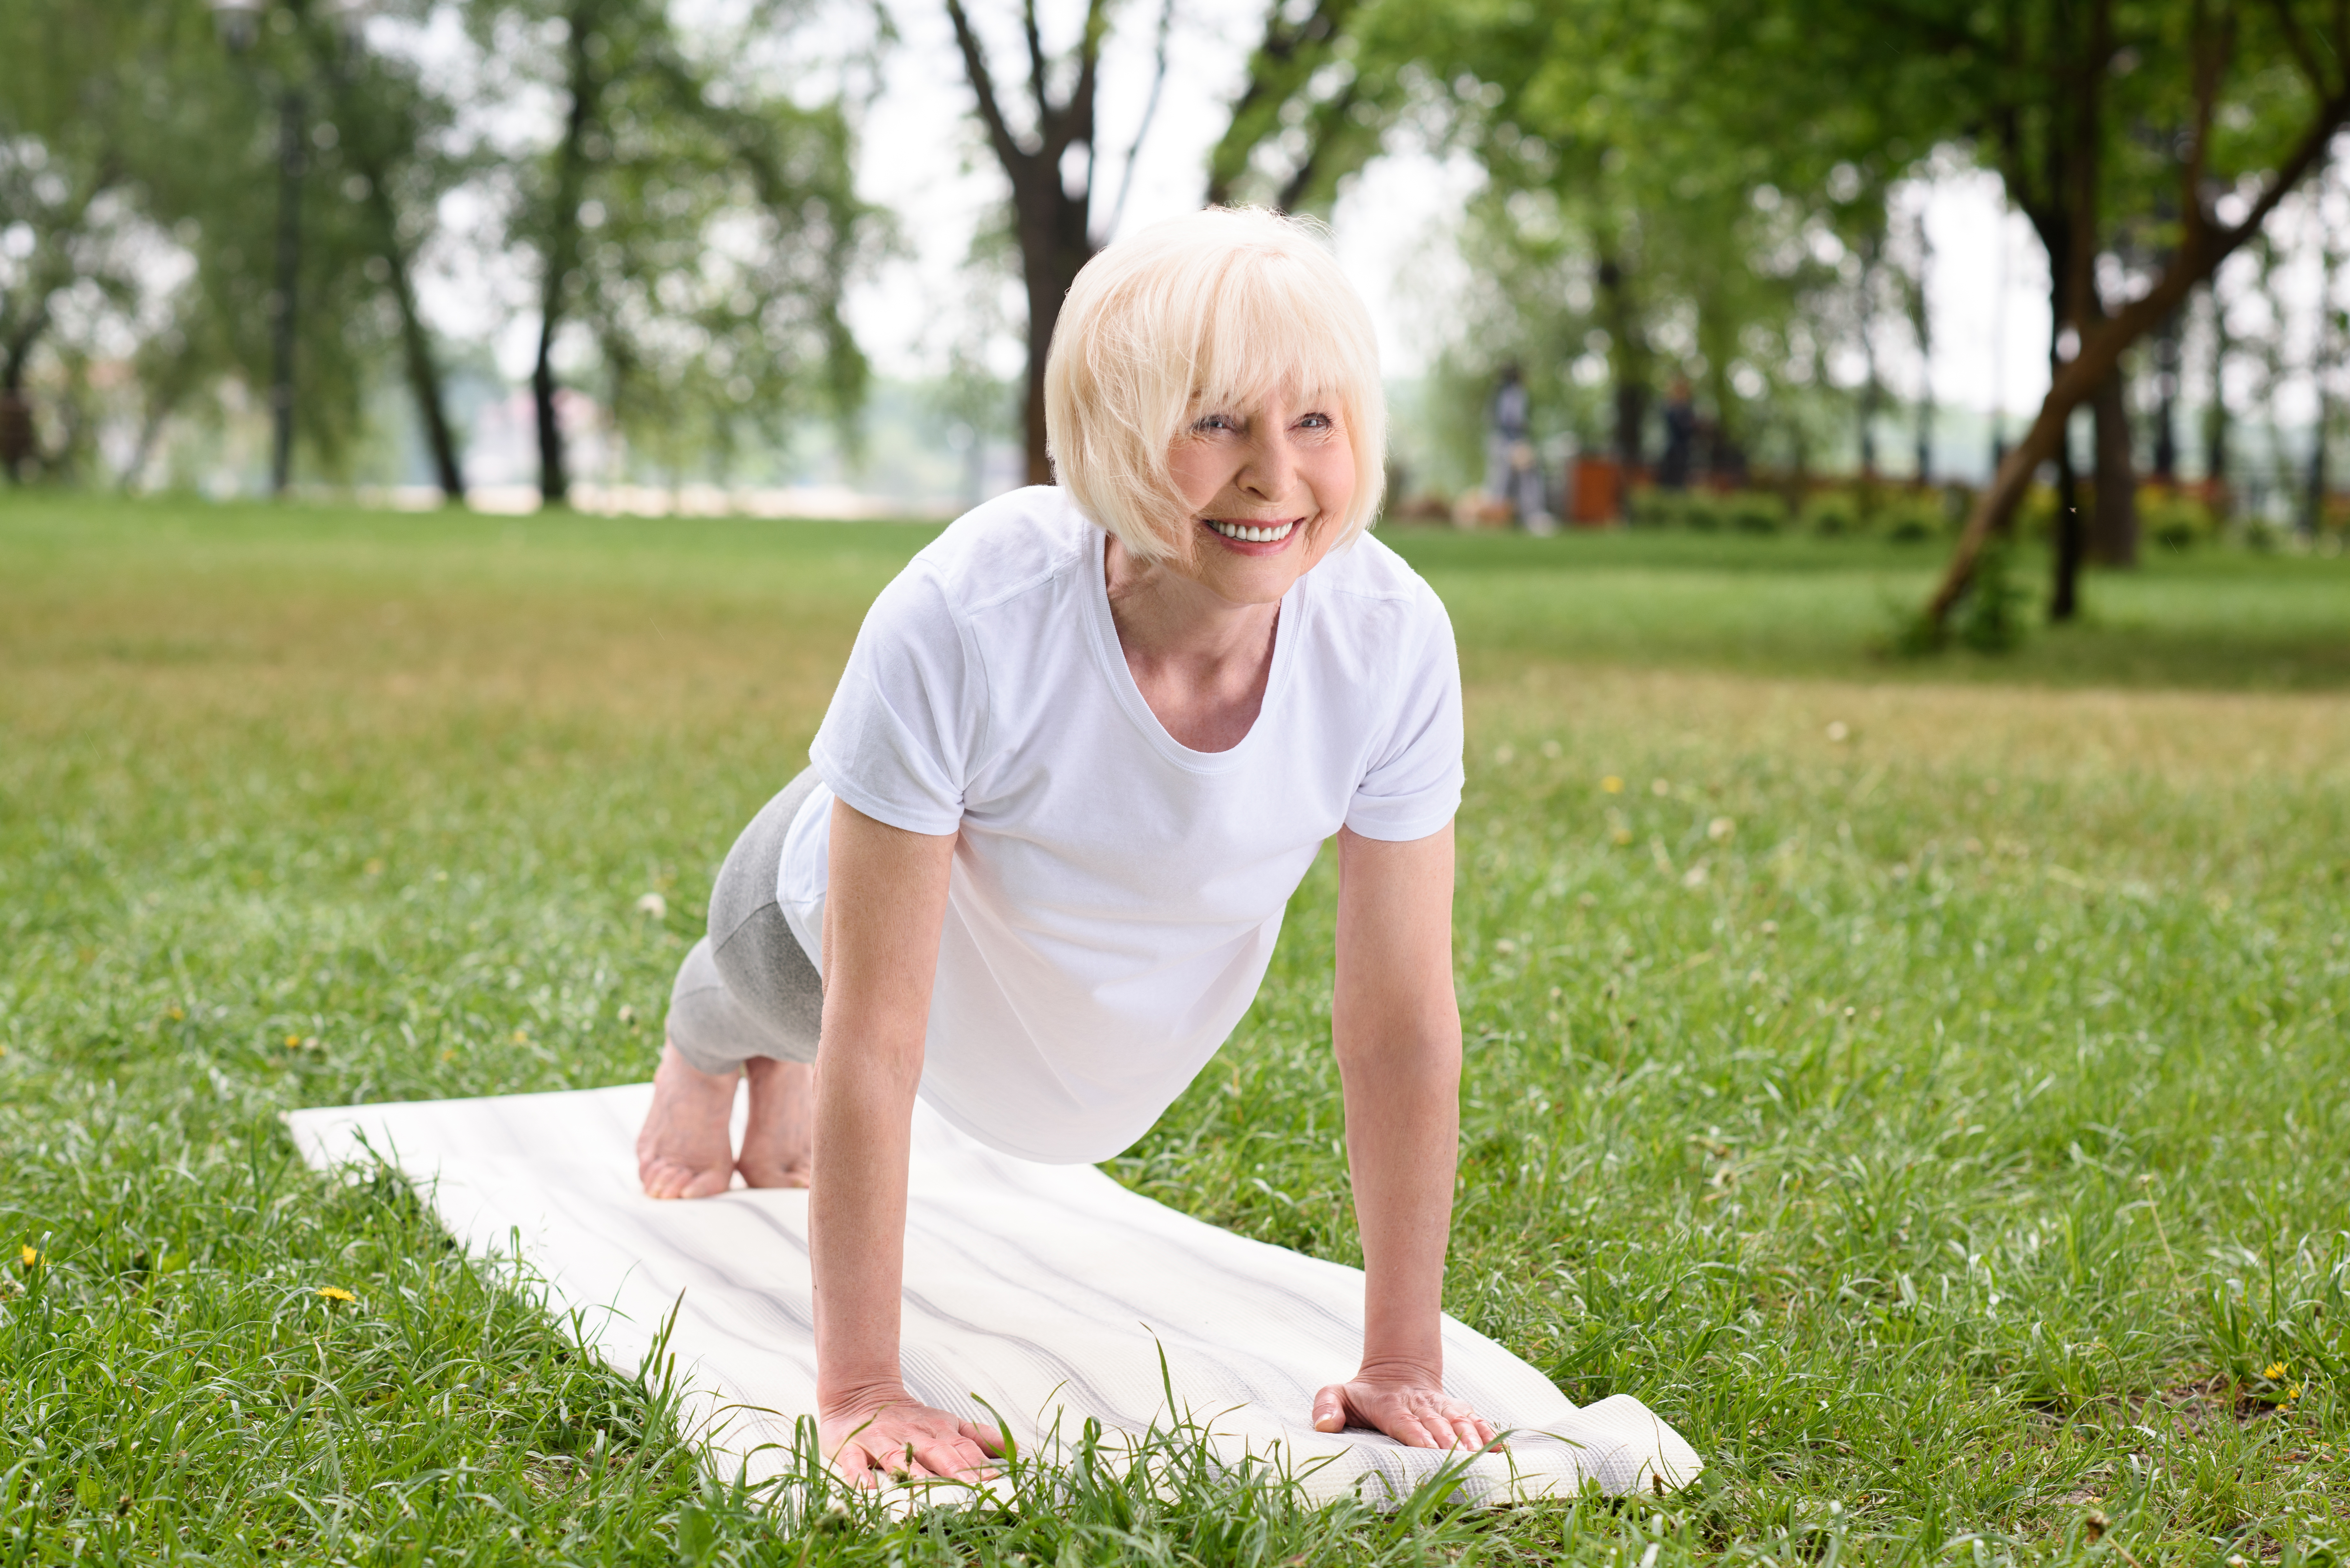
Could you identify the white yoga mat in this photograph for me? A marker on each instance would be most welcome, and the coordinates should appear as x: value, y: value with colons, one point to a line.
x: 1049, y: 1291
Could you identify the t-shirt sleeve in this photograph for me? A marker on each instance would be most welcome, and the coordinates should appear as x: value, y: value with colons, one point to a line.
x: 1412, y: 786
x: 907, y: 718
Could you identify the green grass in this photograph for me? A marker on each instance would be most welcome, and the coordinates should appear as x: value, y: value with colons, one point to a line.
x: 1806, y: 607
x: 1944, y: 1126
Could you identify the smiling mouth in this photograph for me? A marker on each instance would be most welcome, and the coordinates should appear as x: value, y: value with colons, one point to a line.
x: 1253, y: 534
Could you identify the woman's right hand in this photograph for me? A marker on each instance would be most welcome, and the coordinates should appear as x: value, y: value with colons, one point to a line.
x: 881, y: 1435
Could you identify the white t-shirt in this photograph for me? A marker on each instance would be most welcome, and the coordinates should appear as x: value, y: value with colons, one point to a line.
x: 1115, y: 895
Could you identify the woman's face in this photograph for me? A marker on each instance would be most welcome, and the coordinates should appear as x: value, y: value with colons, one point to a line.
x: 1267, y: 486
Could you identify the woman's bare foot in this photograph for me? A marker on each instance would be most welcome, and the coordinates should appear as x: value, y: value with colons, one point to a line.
x: 779, y: 1140
x: 684, y: 1150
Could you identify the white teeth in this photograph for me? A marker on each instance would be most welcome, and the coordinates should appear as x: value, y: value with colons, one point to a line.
x: 1251, y: 536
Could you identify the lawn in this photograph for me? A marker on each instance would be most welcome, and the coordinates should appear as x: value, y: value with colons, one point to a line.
x: 1926, y: 1085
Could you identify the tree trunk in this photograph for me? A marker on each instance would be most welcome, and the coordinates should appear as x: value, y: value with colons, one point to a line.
x: 1054, y: 246
x: 2056, y: 236
x: 2215, y: 412
x: 1629, y: 362
x: 416, y: 346
x: 2064, y: 581
x: 1925, y: 454
x: 2166, y: 379
x: 2329, y: 347
x: 291, y: 165
x: 2313, y: 512
x: 16, y: 435
x: 1872, y: 391
x: 562, y: 254
x: 2113, y: 541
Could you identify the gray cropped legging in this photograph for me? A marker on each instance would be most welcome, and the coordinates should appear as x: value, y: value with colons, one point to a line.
x: 747, y: 989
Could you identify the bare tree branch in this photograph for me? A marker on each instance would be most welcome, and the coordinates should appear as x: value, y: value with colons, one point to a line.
x: 1037, y: 73
x: 1078, y: 124
x: 1150, y: 111
x: 975, y: 64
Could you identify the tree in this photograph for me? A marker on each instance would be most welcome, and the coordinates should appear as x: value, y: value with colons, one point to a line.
x: 68, y: 77
x: 1319, y: 92
x: 1693, y: 204
x: 703, y: 238
x: 1052, y: 202
x: 392, y: 131
x: 2249, y: 98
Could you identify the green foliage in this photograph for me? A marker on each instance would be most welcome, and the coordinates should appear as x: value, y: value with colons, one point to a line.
x: 1925, y: 1091
x: 1755, y: 512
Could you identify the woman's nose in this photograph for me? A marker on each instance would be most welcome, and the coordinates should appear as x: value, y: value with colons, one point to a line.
x: 1270, y: 468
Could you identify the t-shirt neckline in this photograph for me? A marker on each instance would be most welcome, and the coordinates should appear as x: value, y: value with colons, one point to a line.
x: 1288, y: 626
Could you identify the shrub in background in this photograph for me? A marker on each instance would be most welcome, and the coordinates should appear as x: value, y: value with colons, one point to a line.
x: 1830, y: 514
x: 1655, y: 509
x: 2173, y: 521
x: 1915, y: 517
x: 1755, y: 512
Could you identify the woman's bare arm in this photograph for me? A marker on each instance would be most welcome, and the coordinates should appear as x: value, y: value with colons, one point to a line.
x: 1397, y: 1028
x: 882, y: 914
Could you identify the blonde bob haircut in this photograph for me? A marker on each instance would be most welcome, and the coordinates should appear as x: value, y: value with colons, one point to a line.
x: 1214, y: 311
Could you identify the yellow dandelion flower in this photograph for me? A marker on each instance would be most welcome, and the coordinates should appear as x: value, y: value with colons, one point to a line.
x: 30, y: 1256
x: 2273, y: 1371
x: 293, y: 1042
x: 335, y: 1294
x: 1612, y: 784
x: 522, y: 1037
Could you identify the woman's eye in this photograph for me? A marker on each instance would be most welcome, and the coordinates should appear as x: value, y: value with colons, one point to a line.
x: 1214, y: 423
x: 1315, y: 422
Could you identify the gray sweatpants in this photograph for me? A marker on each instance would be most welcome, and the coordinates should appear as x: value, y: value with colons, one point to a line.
x: 747, y: 989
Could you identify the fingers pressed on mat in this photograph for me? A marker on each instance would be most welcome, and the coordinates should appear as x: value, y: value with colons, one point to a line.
x: 1414, y: 1435
x: 952, y: 1459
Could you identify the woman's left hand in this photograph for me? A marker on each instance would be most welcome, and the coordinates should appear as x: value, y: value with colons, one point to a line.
x: 1413, y: 1410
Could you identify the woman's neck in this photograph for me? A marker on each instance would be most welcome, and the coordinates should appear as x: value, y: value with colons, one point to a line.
x: 1201, y: 661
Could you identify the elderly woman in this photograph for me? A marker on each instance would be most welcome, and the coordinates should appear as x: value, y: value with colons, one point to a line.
x: 1088, y: 745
